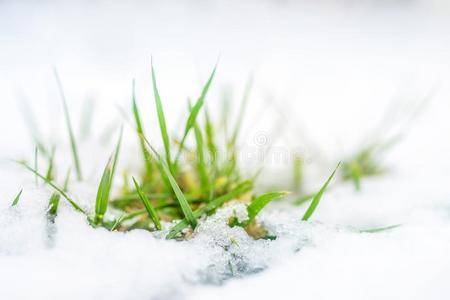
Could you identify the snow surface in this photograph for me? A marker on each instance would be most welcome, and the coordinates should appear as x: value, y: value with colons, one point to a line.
x: 328, y: 67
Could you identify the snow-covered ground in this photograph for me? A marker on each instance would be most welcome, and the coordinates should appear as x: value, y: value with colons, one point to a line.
x: 325, y: 75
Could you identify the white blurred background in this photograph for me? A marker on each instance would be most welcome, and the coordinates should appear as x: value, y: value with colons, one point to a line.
x: 327, y: 71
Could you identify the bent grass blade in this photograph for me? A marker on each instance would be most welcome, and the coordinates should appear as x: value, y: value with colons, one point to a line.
x: 315, y: 202
x: 148, y: 206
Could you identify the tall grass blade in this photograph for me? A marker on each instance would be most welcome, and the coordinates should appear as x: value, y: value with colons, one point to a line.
x: 211, y: 206
x: 190, y: 123
x: 140, y: 131
x: 312, y: 207
x: 17, y: 198
x: 161, y: 120
x: 73, y: 143
x: 148, y: 206
x: 201, y: 164
x: 260, y: 202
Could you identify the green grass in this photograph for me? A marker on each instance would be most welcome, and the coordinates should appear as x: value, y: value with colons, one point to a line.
x: 73, y: 143
x: 255, y: 207
x: 140, y: 130
x: 316, y: 199
x: 380, y: 229
x: 297, y: 177
x: 366, y: 162
x: 49, y: 174
x: 104, y: 188
x: 201, y: 163
x: 53, y: 204
x: 17, y: 198
x: 211, y: 206
x: 167, y: 190
x: 55, y: 187
x: 161, y: 120
x: 194, y: 111
x: 36, y: 164
x: 187, y: 211
x: 148, y: 206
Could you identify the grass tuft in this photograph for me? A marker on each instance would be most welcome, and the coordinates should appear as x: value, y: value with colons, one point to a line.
x: 180, y: 191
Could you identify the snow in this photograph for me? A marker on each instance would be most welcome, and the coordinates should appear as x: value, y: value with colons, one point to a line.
x: 328, y: 67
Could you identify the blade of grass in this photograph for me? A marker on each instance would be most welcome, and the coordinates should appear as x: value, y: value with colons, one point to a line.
x: 186, y: 209
x: 312, y: 207
x: 211, y: 206
x: 17, y: 198
x: 53, y: 205
x: 116, y: 155
x: 161, y: 119
x: 67, y: 180
x: 190, y: 123
x: 49, y: 173
x: 104, y: 188
x: 148, y: 206
x: 73, y: 143
x: 380, y: 229
x: 53, y: 202
x: 140, y: 131
x: 297, y: 177
x: 201, y: 164
x: 36, y: 164
x: 259, y: 203
x: 117, y: 222
x: 101, y: 200
x: 55, y: 187
x: 209, y: 132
